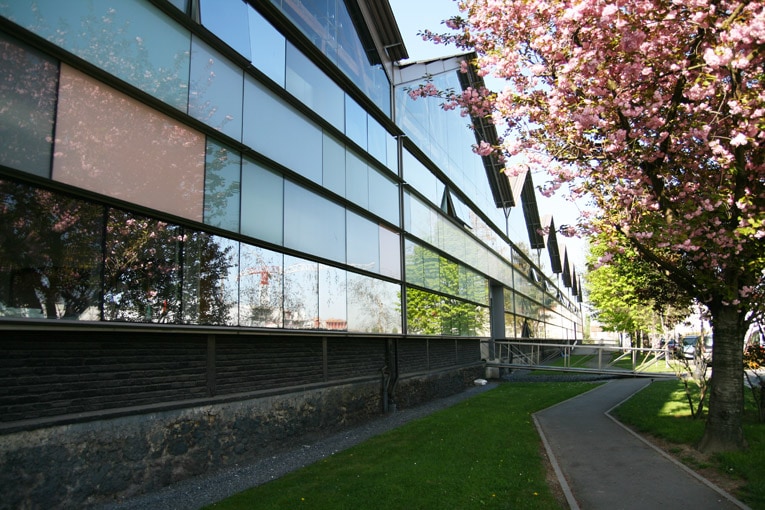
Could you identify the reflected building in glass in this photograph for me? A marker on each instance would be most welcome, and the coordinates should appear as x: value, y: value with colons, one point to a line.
x: 231, y: 213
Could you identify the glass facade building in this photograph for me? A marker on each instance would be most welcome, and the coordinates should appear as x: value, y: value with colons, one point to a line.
x: 254, y: 177
x: 139, y: 120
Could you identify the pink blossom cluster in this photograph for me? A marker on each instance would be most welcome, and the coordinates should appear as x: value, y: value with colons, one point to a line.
x: 654, y: 109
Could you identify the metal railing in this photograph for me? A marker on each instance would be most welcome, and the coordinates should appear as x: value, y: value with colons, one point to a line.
x: 573, y: 356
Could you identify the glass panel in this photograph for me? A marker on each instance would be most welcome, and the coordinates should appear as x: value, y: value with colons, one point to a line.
x: 333, y: 313
x: 261, y: 284
x: 314, y: 88
x: 423, y: 312
x: 301, y: 293
x: 28, y: 86
x: 228, y: 19
x: 449, y: 277
x: 111, y: 144
x: 215, y: 90
x: 420, y: 220
x: 376, y: 140
x: 374, y: 306
x: 278, y: 131
x: 356, y: 180
x: 363, y: 243
x: 431, y: 269
x: 50, y: 255
x: 392, y: 148
x: 142, y: 271
x: 383, y: 196
x: 210, y: 286
x: 313, y: 224
x: 333, y: 165
x: 180, y: 4
x: 222, y: 186
x: 390, y: 253
x: 415, y: 268
x: 268, y: 47
x: 134, y: 41
x: 421, y: 179
x: 329, y: 25
x: 262, y: 203
x: 355, y: 122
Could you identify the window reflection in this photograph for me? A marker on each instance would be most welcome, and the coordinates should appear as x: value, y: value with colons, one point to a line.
x: 434, y: 314
x: 383, y: 196
x: 134, y: 41
x: 280, y: 132
x: 329, y: 25
x: 374, y: 306
x: 215, y: 90
x: 363, y: 250
x: 333, y: 312
x: 301, y: 293
x: 222, y: 186
x: 28, y: 86
x: 261, y: 280
x: 313, y: 224
x: 314, y: 88
x: 228, y: 19
x: 142, y: 269
x: 210, y: 287
x: 333, y: 165
x: 263, y: 203
x: 111, y: 144
x: 50, y: 254
x: 268, y: 47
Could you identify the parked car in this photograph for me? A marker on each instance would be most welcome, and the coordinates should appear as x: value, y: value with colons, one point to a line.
x: 689, y: 344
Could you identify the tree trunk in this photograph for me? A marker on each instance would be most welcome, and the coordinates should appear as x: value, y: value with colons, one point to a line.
x: 724, y: 430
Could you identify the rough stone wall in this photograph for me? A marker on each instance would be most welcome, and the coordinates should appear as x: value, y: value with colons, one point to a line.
x: 79, y: 465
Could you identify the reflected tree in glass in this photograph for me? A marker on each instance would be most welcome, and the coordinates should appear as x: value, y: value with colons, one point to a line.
x: 210, y: 288
x: 50, y: 254
x: 142, y: 269
x: 374, y: 306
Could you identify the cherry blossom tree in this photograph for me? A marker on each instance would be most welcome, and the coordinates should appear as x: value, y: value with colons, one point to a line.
x: 654, y: 110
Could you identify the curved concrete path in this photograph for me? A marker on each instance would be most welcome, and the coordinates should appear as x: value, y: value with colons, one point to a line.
x: 602, y: 465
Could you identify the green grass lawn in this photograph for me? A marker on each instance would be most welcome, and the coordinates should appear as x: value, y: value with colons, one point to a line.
x: 662, y: 410
x: 484, y: 452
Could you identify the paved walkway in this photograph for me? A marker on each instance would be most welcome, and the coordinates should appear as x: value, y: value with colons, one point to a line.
x: 604, y: 466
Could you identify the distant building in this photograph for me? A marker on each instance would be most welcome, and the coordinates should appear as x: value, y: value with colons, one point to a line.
x: 224, y: 225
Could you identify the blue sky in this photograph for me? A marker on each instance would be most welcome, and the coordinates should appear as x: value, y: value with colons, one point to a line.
x: 416, y: 15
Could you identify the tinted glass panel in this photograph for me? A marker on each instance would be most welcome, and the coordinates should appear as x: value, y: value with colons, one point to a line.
x: 355, y: 122
x: 28, y: 84
x: 334, y: 165
x: 50, y: 254
x: 301, y: 293
x: 356, y: 180
x: 134, y: 41
x: 260, y: 287
x: 228, y: 19
x: 278, y: 131
x: 268, y: 47
x: 112, y: 144
x: 210, y: 286
x: 333, y: 312
x: 215, y: 90
x: 314, y: 88
x: 142, y: 270
x: 363, y: 243
x: 222, y: 186
x: 374, y: 306
x: 377, y: 139
x: 262, y: 202
x: 383, y: 196
x: 390, y: 253
x: 313, y: 224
